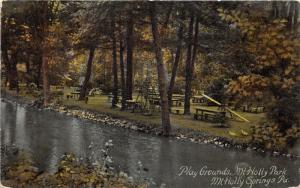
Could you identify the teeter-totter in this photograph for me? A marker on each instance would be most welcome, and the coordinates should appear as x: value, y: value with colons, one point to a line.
x: 226, y: 108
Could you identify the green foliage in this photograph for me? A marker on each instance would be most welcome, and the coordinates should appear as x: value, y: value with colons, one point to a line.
x: 217, y: 89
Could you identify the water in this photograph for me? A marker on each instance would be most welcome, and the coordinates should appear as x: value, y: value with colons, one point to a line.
x: 48, y: 135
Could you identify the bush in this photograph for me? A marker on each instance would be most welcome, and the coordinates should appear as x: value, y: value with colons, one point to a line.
x: 217, y: 90
x: 269, y: 136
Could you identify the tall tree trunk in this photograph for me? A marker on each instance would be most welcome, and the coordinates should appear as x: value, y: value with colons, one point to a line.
x: 275, y: 11
x: 290, y: 16
x: 39, y: 69
x: 123, y: 86
x: 46, y: 85
x: 28, y: 71
x: 161, y: 73
x: 87, y: 74
x: 296, y: 15
x: 13, y: 73
x: 45, y: 51
x: 129, y: 42
x: 177, y: 59
x: 195, y: 47
x: 7, y: 65
x: 188, y: 75
x: 115, y: 66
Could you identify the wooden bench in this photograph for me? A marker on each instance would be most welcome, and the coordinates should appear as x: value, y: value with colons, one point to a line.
x: 206, y: 114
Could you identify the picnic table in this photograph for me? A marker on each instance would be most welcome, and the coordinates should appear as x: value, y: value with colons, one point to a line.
x: 175, y: 102
x: 178, y: 96
x: 208, y: 114
x: 75, y: 88
x: 59, y: 87
x: 154, y: 100
x: 95, y: 91
x: 253, y: 109
x: 132, y: 104
x: 75, y: 94
x: 198, y: 99
x: 177, y: 99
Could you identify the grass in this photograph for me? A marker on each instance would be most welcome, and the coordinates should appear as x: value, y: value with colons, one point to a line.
x: 101, y: 104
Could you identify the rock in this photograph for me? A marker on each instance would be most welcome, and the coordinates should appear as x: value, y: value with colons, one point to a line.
x: 275, y: 153
x: 134, y: 127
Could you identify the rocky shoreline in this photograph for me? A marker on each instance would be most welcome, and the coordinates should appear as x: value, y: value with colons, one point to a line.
x: 177, y: 133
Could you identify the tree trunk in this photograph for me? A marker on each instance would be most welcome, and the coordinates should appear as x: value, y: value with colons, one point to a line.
x: 46, y: 85
x: 275, y: 10
x: 129, y: 42
x: 7, y: 65
x: 194, y: 56
x: 13, y: 73
x: 296, y: 15
x: 161, y: 73
x: 39, y: 69
x: 188, y: 75
x: 115, y: 66
x: 123, y: 86
x: 28, y: 71
x: 291, y: 15
x: 176, y: 61
x: 87, y: 74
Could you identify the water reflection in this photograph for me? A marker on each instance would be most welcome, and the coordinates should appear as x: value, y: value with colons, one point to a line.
x: 48, y: 135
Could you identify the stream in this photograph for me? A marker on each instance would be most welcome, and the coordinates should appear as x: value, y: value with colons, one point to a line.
x: 48, y: 135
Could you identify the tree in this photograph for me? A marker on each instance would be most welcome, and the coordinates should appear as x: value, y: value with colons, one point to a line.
x: 122, y: 69
x: 161, y: 71
x: 129, y: 56
x: 44, y: 33
x: 115, y: 66
x: 87, y: 74
x: 12, y: 33
x: 177, y: 57
x: 188, y: 67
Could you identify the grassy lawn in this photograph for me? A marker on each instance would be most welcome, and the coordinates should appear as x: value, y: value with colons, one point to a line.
x: 101, y: 104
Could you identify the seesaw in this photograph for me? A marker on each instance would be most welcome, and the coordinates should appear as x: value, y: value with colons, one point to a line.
x: 231, y: 111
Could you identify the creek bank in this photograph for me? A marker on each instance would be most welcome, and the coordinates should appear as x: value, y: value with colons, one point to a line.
x: 17, y: 170
x: 182, y: 134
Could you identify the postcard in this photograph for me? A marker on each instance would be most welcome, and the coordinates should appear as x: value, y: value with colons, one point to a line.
x: 150, y: 94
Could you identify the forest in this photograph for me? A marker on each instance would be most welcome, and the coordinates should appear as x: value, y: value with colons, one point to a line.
x: 228, y: 69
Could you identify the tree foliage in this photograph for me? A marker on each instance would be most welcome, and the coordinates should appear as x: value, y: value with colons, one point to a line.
x: 274, y: 74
